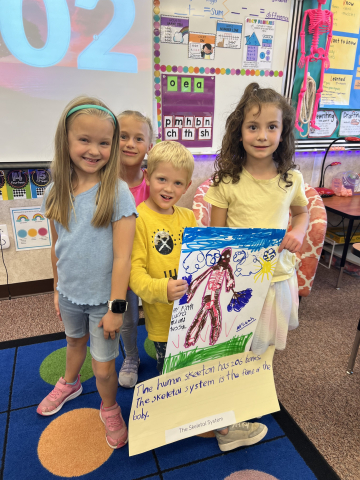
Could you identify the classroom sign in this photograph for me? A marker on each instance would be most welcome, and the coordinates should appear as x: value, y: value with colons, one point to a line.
x: 327, y: 121
x: 210, y: 378
x: 259, y: 43
x: 201, y: 398
x: 31, y: 229
x: 350, y: 123
x: 174, y: 30
x: 228, y: 35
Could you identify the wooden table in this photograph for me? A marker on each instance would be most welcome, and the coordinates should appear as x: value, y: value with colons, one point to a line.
x: 354, y: 351
x: 347, y: 207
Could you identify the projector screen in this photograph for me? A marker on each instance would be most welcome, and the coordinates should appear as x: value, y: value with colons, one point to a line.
x: 53, y: 50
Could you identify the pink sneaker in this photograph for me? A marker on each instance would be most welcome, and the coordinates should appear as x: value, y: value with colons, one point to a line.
x: 62, y: 393
x: 116, y: 431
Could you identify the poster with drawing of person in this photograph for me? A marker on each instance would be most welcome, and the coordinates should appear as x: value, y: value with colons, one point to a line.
x: 201, y: 46
x: 229, y: 271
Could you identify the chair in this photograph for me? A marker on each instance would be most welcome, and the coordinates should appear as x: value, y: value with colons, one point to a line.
x: 307, y: 258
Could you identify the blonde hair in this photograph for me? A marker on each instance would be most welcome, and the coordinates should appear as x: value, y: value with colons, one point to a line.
x: 59, y: 202
x: 141, y: 118
x: 171, y: 152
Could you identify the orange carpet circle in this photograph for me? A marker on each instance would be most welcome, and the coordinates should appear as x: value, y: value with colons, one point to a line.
x: 250, y: 475
x: 74, y: 444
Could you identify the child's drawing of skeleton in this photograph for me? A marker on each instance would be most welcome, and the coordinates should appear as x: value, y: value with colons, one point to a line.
x: 210, y: 304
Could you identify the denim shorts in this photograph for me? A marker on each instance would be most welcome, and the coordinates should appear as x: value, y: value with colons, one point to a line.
x: 82, y: 319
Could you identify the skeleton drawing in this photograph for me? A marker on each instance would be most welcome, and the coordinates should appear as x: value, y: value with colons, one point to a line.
x: 210, y: 304
x: 320, y: 22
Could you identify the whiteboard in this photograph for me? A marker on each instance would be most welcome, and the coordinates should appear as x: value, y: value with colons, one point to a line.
x: 203, y: 16
x: 52, y: 51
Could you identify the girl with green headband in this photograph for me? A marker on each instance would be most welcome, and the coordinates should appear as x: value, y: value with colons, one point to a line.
x: 92, y: 216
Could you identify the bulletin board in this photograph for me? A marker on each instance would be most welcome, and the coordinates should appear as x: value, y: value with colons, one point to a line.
x: 231, y: 43
x: 339, y: 107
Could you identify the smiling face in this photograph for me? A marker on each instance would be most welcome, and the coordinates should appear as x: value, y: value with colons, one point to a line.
x: 134, y: 141
x: 167, y: 185
x: 261, y: 133
x: 90, y: 139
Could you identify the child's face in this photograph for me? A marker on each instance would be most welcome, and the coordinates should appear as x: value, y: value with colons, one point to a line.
x: 207, y: 50
x: 90, y: 139
x: 134, y: 141
x: 261, y: 134
x: 167, y: 185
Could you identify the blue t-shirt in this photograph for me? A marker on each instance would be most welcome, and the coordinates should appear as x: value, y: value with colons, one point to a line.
x: 85, y: 253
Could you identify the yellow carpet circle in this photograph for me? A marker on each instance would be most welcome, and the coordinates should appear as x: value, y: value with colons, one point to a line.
x: 74, y: 444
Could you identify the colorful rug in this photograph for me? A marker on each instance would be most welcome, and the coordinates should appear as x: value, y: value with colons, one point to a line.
x: 72, y: 443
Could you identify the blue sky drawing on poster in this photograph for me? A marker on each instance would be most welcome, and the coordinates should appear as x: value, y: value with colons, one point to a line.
x: 229, y: 272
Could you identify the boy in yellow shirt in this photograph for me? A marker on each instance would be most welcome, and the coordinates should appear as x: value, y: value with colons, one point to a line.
x: 158, y: 238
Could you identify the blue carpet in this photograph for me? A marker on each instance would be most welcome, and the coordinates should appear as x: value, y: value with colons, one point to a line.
x: 285, y: 452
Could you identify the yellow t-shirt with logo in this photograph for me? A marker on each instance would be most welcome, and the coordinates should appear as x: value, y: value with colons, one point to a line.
x: 253, y: 203
x: 155, y: 258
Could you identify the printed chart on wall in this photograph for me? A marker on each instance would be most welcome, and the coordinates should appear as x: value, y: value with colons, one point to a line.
x: 225, y: 42
x: 229, y: 273
x: 31, y: 229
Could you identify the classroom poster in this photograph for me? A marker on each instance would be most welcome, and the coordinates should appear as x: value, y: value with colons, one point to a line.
x: 174, y: 30
x: 200, y: 398
x: 350, y: 123
x: 259, y: 43
x: 229, y: 271
x: 17, y: 184
x: 228, y: 35
x: 342, y: 53
x: 327, y: 121
x: 188, y: 104
x: 31, y: 229
x: 40, y: 178
x: 336, y: 90
x: 346, y: 15
x: 201, y: 46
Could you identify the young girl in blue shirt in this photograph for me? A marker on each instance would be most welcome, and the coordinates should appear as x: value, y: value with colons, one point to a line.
x: 92, y: 216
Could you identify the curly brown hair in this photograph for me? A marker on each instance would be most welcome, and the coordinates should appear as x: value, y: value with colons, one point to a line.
x: 231, y: 158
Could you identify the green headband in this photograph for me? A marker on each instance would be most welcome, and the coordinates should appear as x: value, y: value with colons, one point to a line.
x: 98, y: 107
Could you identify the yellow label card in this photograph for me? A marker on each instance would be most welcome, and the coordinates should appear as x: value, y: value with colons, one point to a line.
x: 346, y: 15
x: 201, y: 398
x: 342, y: 53
x: 336, y: 89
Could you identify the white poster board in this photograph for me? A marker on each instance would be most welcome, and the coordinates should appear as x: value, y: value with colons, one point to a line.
x: 31, y: 229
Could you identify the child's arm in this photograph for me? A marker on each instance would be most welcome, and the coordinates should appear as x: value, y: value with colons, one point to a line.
x: 123, y: 236
x: 54, y: 237
x: 294, y: 239
x: 218, y: 216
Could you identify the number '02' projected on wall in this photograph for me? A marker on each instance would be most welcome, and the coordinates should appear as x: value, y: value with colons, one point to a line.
x: 96, y: 56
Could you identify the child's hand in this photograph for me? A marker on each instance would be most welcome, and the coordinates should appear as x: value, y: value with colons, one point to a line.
x: 176, y: 289
x: 111, y: 323
x: 292, y: 241
x: 56, y: 305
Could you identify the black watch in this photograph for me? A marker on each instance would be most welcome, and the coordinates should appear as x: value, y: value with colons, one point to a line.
x: 117, y: 306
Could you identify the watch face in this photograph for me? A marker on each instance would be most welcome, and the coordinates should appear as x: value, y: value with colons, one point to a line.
x: 118, y: 306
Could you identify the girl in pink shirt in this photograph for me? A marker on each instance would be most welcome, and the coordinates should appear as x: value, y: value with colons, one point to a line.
x: 136, y: 135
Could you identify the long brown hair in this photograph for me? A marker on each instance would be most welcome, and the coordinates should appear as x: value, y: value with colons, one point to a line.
x: 59, y: 202
x: 231, y: 158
